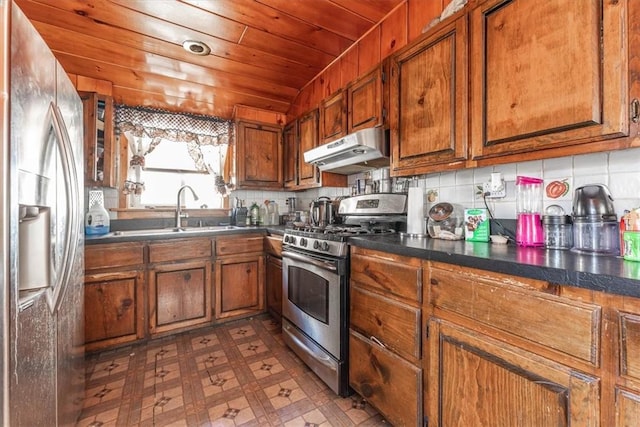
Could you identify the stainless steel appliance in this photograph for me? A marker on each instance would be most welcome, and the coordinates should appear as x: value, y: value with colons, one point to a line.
x: 315, y: 273
x: 595, y: 222
x: 322, y: 212
x: 42, y: 232
x: 357, y: 152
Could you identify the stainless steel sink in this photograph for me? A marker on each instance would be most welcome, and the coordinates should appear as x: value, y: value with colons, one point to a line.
x: 169, y: 231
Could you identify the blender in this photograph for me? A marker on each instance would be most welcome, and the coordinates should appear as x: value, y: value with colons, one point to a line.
x: 529, y: 211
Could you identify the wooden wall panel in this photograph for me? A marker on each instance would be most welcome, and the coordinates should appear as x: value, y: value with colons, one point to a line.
x: 88, y: 84
x: 349, y: 66
x: 393, y: 32
x: 243, y: 112
x: 330, y: 80
x: 421, y: 12
x: 369, y: 51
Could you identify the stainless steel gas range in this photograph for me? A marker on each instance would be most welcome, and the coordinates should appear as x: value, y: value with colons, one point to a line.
x: 315, y: 272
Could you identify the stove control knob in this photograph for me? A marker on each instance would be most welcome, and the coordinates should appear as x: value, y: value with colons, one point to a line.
x: 286, y: 239
x: 316, y: 245
x: 303, y: 241
x: 292, y: 240
x: 325, y: 246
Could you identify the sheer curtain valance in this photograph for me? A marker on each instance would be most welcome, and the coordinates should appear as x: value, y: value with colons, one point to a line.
x: 146, y: 128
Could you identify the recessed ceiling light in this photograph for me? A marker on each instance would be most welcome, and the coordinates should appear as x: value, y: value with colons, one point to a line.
x: 196, y: 47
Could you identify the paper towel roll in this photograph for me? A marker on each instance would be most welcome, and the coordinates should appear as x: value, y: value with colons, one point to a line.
x: 415, y: 211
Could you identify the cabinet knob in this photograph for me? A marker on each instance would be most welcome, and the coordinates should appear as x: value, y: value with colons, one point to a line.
x: 434, y: 282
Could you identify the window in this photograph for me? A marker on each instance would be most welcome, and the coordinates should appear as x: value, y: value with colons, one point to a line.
x: 170, y: 166
x: 168, y: 150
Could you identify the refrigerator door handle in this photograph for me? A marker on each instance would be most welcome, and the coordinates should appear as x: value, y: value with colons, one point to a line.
x: 71, y: 199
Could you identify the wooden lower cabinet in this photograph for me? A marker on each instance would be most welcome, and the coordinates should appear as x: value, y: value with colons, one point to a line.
x: 274, y: 285
x: 239, y: 286
x: 385, y: 324
x: 273, y: 277
x: 114, y: 295
x: 180, y: 282
x: 179, y: 295
x: 476, y: 380
x: 386, y: 380
x: 239, y: 275
x: 113, y: 308
x: 625, y: 321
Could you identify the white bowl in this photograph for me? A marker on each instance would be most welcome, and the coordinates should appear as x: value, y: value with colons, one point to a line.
x: 498, y: 239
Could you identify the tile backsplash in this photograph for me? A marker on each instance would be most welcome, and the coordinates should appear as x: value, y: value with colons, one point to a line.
x: 619, y: 170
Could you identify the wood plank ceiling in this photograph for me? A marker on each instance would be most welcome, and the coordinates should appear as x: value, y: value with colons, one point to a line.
x: 262, y: 51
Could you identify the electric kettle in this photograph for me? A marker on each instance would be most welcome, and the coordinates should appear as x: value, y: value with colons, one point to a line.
x: 322, y: 212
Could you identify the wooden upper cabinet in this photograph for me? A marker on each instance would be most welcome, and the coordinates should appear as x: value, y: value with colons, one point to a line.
x: 364, y: 100
x: 308, y: 128
x: 547, y: 74
x: 429, y: 86
x: 333, y: 117
x: 99, y: 144
x: 259, y: 156
x: 308, y: 175
x: 290, y: 154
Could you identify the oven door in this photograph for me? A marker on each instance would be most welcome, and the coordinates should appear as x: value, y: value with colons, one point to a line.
x: 314, y: 297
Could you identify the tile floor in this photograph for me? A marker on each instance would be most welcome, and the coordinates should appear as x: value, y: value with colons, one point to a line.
x: 237, y: 374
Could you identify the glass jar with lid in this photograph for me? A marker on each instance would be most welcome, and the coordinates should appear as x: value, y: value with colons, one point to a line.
x: 558, y: 228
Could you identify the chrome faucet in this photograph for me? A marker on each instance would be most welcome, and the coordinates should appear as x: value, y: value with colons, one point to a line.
x: 179, y: 214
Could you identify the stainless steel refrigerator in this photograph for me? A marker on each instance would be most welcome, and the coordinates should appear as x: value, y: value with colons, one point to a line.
x: 41, y: 298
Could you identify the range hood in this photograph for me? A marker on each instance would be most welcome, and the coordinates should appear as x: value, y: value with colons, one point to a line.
x: 357, y: 152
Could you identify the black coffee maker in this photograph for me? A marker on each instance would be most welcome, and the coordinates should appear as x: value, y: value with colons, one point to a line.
x: 239, y: 213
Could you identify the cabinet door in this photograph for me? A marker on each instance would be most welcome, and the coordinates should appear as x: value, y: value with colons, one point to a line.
x: 364, y: 100
x: 180, y: 296
x: 429, y: 82
x: 290, y: 154
x: 627, y: 408
x: 259, y: 156
x: 333, y: 117
x: 394, y: 324
x: 239, y: 286
x: 387, y: 381
x: 307, y: 173
x: 476, y: 380
x: 114, y: 308
x: 274, y: 285
x: 99, y: 145
x: 547, y: 74
x: 627, y: 389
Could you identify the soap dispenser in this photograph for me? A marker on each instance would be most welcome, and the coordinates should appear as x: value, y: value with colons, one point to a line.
x: 97, y: 220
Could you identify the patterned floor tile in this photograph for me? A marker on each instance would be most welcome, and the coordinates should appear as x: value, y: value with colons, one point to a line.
x: 239, y: 374
x: 234, y: 413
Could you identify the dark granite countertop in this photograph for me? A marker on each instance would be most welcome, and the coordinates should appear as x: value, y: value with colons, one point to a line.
x: 599, y: 273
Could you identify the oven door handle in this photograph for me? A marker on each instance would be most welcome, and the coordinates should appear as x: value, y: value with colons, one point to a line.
x: 322, y: 358
x: 325, y: 265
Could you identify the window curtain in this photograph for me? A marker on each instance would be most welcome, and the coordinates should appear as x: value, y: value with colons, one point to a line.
x: 145, y: 128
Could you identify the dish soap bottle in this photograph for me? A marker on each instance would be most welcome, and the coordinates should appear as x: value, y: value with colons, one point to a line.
x: 255, y: 214
x: 96, y: 222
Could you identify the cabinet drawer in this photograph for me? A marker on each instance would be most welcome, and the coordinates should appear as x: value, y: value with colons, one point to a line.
x: 273, y: 245
x: 564, y: 325
x: 180, y: 250
x: 394, y: 324
x: 388, y: 382
x: 387, y: 273
x: 630, y: 345
x: 239, y: 244
x: 113, y: 255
